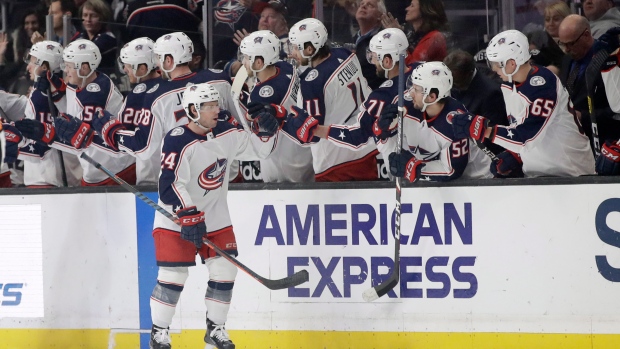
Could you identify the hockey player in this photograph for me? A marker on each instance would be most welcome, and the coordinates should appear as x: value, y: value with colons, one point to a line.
x: 137, y: 60
x: 332, y: 89
x: 162, y: 109
x: 430, y: 150
x: 43, y: 165
x: 384, y: 50
x: 88, y: 91
x: 193, y: 184
x: 544, y: 137
x: 277, y: 83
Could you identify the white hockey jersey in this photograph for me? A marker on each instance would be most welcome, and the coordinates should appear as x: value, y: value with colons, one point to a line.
x: 610, y: 72
x: 161, y: 111
x: 289, y: 162
x: 332, y: 93
x: 194, y: 171
x: 543, y: 128
x: 84, y: 104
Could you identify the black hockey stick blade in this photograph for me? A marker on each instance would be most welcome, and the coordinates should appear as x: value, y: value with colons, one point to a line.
x: 290, y: 281
x: 380, y: 290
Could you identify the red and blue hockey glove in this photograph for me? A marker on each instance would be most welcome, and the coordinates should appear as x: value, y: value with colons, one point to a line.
x: 509, y: 164
x: 107, y: 126
x: 278, y: 111
x: 12, y: 137
x: 301, y: 125
x: 469, y: 125
x: 51, y: 82
x: 73, y: 131
x: 387, y: 123
x: 193, y: 226
x: 264, y: 124
x: 36, y: 130
x: 608, y: 163
x: 405, y: 165
x: 226, y: 116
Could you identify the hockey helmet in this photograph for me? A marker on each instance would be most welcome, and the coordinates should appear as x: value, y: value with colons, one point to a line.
x: 509, y: 44
x: 391, y: 41
x: 46, y: 51
x: 178, y: 45
x: 136, y: 52
x: 196, y: 95
x: 432, y: 75
x: 308, y: 30
x: 261, y: 43
x: 82, y: 51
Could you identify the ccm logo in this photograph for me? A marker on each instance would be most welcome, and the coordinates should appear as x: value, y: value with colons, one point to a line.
x: 609, y: 155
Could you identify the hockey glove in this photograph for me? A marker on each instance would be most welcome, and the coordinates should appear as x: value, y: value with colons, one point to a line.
x: 107, y: 126
x: 193, y: 226
x: 264, y: 124
x: 301, y: 125
x: 386, y: 125
x: 12, y: 138
x: 509, y: 164
x: 609, y: 40
x: 226, y: 116
x: 470, y: 125
x: 73, y: 131
x: 608, y: 163
x: 36, y: 130
x: 255, y: 108
x: 405, y: 165
x: 51, y: 82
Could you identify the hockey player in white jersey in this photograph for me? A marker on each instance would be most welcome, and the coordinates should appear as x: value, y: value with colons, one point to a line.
x: 193, y: 183
x: 43, y: 166
x: 277, y: 84
x: 332, y: 90
x: 430, y: 150
x: 544, y: 137
x: 137, y: 60
x: 162, y: 108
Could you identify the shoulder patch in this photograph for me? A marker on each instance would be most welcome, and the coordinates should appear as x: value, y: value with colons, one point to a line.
x: 216, y: 70
x: 387, y: 83
x: 153, y: 89
x: 93, y: 87
x: 451, y: 115
x: 313, y: 74
x: 177, y: 131
x: 265, y: 91
x: 537, y: 81
x: 139, y: 88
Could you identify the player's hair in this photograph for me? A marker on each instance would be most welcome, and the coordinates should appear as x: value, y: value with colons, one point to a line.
x: 322, y: 52
x: 67, y: 6
x: 433, y: 15
x: 436, y: 92
x: 460, y: 61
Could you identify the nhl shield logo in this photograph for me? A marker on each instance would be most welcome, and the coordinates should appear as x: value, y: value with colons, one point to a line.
x: 387, y: 35
x: 213, y: 176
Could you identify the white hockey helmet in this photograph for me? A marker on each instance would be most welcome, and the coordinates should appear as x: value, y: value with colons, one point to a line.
x: 391, y: 41
x: 136, y: 52
x: 46, y: 51
x: 432, y: 75
x: 178, y: 45
x: 261, y: 43
x: 196, y: 95
x: 509, y: 44
x: 82, y: 51
x: 308, y: 30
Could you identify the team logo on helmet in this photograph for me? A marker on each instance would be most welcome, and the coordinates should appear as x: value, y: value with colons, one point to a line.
x: 258, y: 40
x: 228, y: 12
x: 167, y: 37
x: 138, y: 47
x: 82, y: 47
x: 435, y: 72
x: 387, y: 35
x: 193, y: 88
x: 302, y: 27
x: 213, y: 176
x: 501, y: 41
x: 50, y: 47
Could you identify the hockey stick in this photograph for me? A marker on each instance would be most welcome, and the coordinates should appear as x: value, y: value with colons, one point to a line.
x: 235, y: 90
x: 378, y: 291
x: 290, y: 281
x: 592, y: 71
x: 54, y: 112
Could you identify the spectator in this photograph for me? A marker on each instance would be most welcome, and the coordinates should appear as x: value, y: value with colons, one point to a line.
x: 578, y: 43
x: 545, y: 51
x: 602, y: 15
x: 95, y: 15
x: 428, y: 19
x: 32, y: 21
x: 272, y: 18
x: 479, y: 93
x: 554, y: 14
x: 544, y: 138
x: 368, y: 17
x: 58, y: 8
